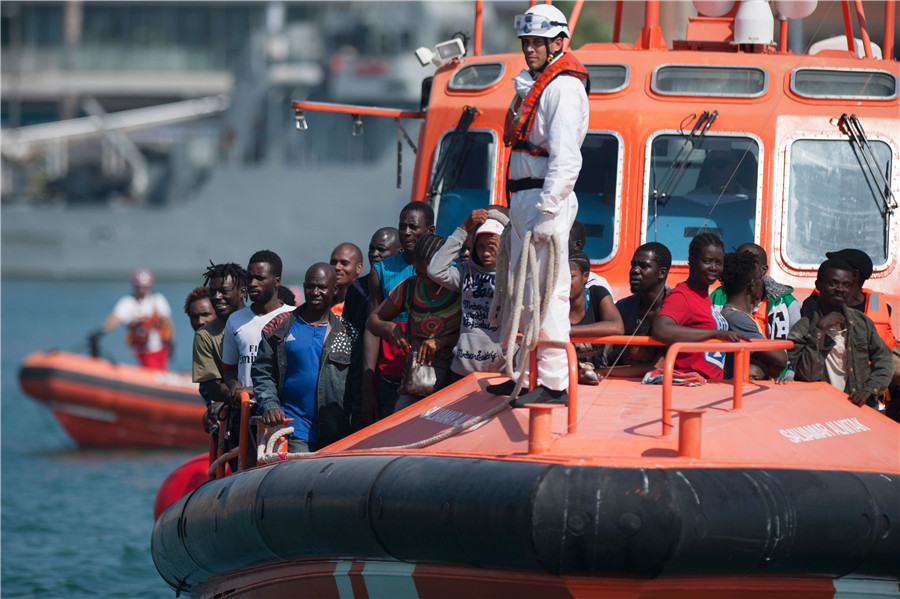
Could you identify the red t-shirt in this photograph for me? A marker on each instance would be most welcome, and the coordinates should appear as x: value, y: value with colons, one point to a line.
x: 689, y: 307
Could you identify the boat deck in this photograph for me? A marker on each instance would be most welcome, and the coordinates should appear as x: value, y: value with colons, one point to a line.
x: 619, y: 423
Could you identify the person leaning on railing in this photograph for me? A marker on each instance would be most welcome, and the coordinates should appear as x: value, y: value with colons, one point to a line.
x: 687, y: 313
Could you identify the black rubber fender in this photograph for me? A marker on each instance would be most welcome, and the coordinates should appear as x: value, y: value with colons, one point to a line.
x: 539, y: 517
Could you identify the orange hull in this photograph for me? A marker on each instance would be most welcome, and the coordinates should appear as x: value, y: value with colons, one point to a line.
x: 101, y: 404
x: 330, y: 580
x: 794, y: 494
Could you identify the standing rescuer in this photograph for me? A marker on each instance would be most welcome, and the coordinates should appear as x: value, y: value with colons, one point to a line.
x: 545, y: 127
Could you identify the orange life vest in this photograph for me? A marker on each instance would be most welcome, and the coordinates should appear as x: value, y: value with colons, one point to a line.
x: 876, y: 310
x: 138, y: 333
x: 520, y: 116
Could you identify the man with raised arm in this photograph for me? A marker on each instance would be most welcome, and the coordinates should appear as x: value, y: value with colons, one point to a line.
x: 546, y: 125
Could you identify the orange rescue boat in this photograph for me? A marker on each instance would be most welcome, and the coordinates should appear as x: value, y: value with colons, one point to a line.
x: 101, y: 404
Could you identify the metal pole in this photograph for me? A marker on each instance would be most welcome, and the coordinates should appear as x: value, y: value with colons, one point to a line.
x: 476, y: 41
x: 889, y: 17
x: 863, y: 28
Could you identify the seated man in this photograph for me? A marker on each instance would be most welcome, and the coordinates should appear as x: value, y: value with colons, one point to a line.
x: 840, y: 344
x: 742, y: 282
x: 650, y: 266
x: 870, y: 303
x: 307, y: 366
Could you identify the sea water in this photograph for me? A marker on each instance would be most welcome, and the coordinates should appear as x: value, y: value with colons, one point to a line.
x: 75, y: 523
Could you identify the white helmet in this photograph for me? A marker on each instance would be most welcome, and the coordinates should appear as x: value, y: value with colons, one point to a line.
x: 542, y: 20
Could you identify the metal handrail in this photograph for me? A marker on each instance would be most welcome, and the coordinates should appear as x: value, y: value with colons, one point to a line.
x: 741, y: 367
x: 572, y: 359
x: 217, y: 454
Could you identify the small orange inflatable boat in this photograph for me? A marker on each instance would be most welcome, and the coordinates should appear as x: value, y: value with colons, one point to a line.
x: 101, y: 404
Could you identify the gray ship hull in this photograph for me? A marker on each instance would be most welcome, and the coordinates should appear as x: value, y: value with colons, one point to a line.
x: 301, y: 214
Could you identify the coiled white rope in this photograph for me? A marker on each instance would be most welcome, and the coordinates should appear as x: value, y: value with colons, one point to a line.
x: 266, y: 454
x: 506, y: 311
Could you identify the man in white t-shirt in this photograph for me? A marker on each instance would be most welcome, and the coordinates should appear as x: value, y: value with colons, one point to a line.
x: 149, y: 320
x: 243, y: 330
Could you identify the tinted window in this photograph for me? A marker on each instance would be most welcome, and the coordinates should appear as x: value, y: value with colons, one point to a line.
x: 464, y: 175
x: 709, y: 81
x: 477, y: 76
x: 596, y: 191
x: 712, y: 188
x: 824, y: 83
x: 607, y: 77
x: 834, y: 202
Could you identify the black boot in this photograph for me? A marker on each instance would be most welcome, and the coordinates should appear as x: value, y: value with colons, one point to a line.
x: 505, y: 388
x: 541, y: 395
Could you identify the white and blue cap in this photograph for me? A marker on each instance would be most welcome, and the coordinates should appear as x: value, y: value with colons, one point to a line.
x: 542, y: 20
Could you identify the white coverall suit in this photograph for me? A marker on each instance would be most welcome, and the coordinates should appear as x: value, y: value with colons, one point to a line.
x: 560, y: 124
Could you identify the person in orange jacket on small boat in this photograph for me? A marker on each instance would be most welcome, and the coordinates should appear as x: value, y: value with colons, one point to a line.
x: 149, y: 320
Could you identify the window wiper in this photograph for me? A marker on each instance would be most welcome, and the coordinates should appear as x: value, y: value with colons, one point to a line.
x: 455, y: 153
x: 401, y: 136
x: 693, y: 141
x: 854, y: 130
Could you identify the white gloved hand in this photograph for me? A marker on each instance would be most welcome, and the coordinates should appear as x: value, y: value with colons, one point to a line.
x: 542, y: 228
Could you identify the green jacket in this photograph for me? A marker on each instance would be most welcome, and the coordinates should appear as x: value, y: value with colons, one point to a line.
x: 869, y: 365
x: 782, y: 308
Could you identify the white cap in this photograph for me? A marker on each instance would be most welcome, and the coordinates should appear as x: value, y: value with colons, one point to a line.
x: 490, y: 226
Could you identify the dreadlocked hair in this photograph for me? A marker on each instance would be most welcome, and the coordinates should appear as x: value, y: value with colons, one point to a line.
x: 701, y: 241
x: 197, y: 293
x: 224, y: 271
x: 427, y: 247
x: 740, y: 268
